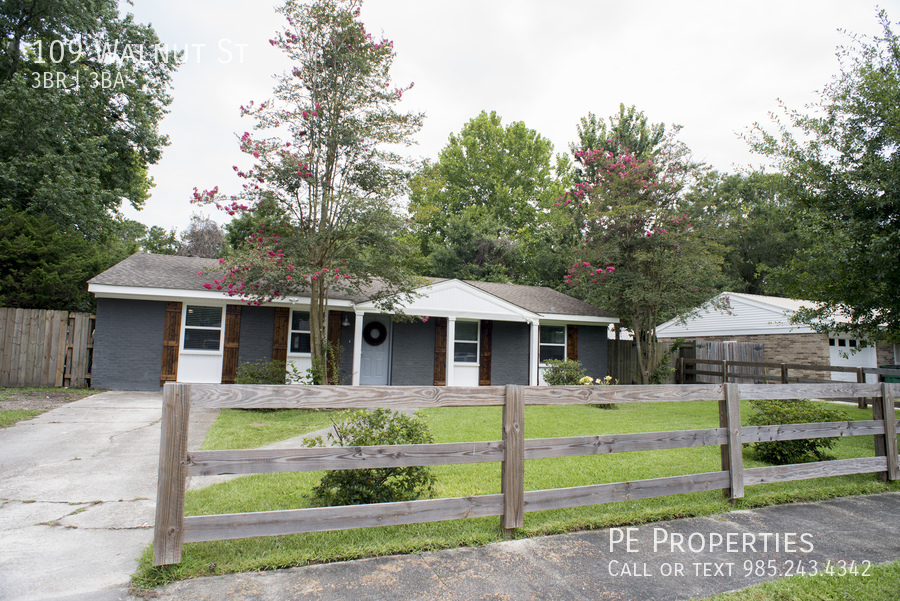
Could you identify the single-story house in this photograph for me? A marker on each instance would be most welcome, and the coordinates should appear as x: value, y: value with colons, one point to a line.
x: 156, y: 323
x: 766, y: 320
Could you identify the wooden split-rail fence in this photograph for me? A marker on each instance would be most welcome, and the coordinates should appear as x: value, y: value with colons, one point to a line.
x: 45, y: 348
x: 177, y: 463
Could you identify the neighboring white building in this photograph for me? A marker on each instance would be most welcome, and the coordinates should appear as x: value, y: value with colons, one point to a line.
x: 766, y: 320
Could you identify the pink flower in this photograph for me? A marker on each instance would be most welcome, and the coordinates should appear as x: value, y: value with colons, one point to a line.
x: 208, y: 286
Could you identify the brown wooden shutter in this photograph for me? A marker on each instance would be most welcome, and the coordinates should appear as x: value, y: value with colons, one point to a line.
x: 232, y: 343
x: 171, y: 343
x: 484, y: 361
x: 572, y: 342
x: 440, y: 351
x: 280, y: 337
x: 334, y: 342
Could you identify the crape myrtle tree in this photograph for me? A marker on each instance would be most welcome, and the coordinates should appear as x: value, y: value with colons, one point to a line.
x: 842, y: 163
x: 642, y: 256
x: 324, y: 158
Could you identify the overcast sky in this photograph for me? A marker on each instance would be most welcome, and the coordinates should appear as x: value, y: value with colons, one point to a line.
x: 713, y: 66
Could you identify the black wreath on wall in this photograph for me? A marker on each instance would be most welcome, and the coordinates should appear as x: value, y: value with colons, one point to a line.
x: 375, y: 333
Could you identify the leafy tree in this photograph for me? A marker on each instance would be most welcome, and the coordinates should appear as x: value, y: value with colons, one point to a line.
x: 79, y: 113
x: 841, y: 164
x: 756, y: 227
x: 78, y: 131
x: 642, y: 257
x: 334, y: 180
x: 160, y: 241
x: 485, y: 197
x: 43, y: 266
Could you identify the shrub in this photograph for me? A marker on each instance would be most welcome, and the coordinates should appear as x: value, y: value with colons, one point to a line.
x: 378, y: 485
x: 563, y: 373
x: 261, y: 372
x: 783, y: 452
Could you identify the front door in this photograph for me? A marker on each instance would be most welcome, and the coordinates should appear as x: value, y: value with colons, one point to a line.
x: 375, y: 360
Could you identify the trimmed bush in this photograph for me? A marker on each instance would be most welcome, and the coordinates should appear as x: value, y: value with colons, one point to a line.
x: 261, y: 372
x: 381, y: 485
x: 563, y: 373
x: 783, y: 452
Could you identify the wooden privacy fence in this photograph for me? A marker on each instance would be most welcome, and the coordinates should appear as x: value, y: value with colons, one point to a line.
x: 45, y: 348
x: 176, y: 462
x: 622, y: 361
x: 714, y: 370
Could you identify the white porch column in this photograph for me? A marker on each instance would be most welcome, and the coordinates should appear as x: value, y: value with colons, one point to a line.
x: 451, y: 336
x: 534, y: 354
x: 357, y: 347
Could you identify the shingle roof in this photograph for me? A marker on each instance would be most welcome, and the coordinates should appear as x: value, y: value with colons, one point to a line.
x: 172, y: 272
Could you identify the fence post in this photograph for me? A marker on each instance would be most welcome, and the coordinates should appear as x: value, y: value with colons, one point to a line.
x: 732, y: 451
x: 725, y: 371
x: 168, y: 532
x: 513, y: 470
x: 886, y: 445
x: 861, y: 379
x: 784, y: 373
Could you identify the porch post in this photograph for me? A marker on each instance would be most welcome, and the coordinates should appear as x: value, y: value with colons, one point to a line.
x: 357, y: 347
x: 451, y: 337
x: 534, y: 354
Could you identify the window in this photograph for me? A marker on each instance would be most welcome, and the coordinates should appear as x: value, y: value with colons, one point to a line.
x: 465, y: 345
x: 553, y: 343
x: 202, y: 328
x: 300, y: 337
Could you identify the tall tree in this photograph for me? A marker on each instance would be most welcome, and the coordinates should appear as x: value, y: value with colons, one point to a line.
x: 82, y: 92
x: 335, y: 180
x: 488, y: 193
x: 842, y: 164
x: 642, y: 256
x: 754, y: 222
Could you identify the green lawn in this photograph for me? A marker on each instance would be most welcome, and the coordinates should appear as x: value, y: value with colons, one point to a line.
x: 10, y: 417
x: 286, y: 491
x: 881, y: 583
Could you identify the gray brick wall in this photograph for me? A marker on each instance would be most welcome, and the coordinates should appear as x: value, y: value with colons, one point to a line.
x: 412, y: 354
x: 509, y: 353
x: 257, y: 332
x: 592, y: 350
x: 128, y: 342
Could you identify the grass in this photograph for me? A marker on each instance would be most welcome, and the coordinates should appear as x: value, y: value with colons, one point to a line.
x: 239, y: 429
x: 10, y: 417
x: 286, y: 491
x: 881, y: 583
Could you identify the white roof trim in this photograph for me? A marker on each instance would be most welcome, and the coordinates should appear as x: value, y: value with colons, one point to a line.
x: 178, y: 294
x: 548, y: 318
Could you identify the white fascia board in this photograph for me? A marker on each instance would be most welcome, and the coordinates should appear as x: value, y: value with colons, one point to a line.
x: 212, y: 296
x: 557, y: 319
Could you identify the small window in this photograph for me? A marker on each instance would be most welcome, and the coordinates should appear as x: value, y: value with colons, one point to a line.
x: 553, y: 343
x: 831, y: 342
x: 300, y: 332
x: 842, y: 342
x: 853, y: 344
x: 202, y: 328
x: 465, y: 345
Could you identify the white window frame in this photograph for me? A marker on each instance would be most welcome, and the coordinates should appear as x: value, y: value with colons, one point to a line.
x: 564, y: 344
x: 185, y: 327
x: 292, y: 331
x: 477, y: 342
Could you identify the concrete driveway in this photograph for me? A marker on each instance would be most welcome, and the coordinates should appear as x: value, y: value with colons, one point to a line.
x: 78, y: 482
